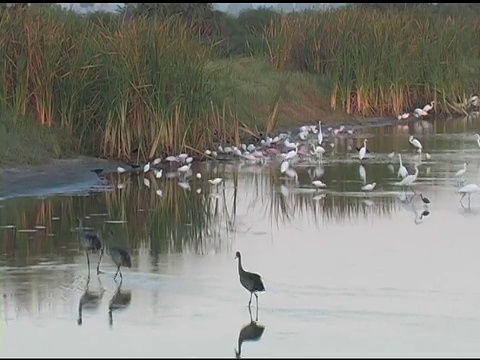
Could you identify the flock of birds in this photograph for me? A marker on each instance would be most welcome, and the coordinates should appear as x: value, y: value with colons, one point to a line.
x: 286, y: 149
x: 91, y: 241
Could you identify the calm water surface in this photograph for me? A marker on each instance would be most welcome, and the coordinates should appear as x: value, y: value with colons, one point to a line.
x: 347, y: 274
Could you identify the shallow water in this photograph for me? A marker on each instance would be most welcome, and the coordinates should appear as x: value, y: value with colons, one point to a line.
x: 346, y: 273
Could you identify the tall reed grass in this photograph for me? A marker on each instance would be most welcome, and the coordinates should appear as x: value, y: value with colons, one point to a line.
x: 381, y: 62
x: 116, y: 85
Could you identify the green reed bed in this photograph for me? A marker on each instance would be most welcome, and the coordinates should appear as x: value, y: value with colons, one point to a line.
x: 116, y: 85
x: 381, y: 62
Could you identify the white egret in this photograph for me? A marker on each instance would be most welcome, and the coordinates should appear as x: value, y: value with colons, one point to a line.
x: 184, y: 168
x: 363, y: 150
x: 146, y: 168
x: 428, y: 156
x: 429, y: 107
x: 157, y: 161
x: 391, y: 155
x: 478, y: 139
x: 121, y: 170
x: 215, y: 181
x: 415, y: 143
x: 320, y: 133
x: 419, y: 112
x: 146, y: 182
x: 369, y: 187
x: 402, y: 170
x: 409, y: 179
x: 199, y: 176
x: 474, y: 101
x: 284, y: 166
x: 319, y: 184
x: 158, y: 173
x: 461, y: 171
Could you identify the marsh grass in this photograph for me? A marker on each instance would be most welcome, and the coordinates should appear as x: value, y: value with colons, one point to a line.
x: 381, y: 62
x: 114, y: 85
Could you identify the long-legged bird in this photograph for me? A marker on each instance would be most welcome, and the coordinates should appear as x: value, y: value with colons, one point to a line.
x: 90, y: 241
x: 250, y: 281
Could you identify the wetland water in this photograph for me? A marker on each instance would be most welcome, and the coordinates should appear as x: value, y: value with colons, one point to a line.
x: 346, y: 274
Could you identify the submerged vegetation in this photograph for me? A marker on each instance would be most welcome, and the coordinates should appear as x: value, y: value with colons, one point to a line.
x: 165, y: 78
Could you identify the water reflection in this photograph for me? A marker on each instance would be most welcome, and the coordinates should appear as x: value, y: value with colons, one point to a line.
x: 90, y: 300
x: 250, y: 332
x: 119, y: 301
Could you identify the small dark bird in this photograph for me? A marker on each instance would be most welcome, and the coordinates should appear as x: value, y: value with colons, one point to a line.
x: 97, y: 171
x: 90, y: 241
x: 120, y: 257
x: 425, y: 213
x: 424, y: 199
x: 250, y: 281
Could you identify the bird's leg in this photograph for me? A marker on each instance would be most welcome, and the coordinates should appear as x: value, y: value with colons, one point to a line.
x: 250, y: 302
x: 250, y: 312
x: 461, y: 203
x: 88, y: 264
x: 118, y: 269
x: 110, y: 318
x: 121, y: 276
x: 256, y: 296
x: 99, y: 259
x: 256, y: 316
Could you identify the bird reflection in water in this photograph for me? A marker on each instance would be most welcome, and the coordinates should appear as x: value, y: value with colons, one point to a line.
x: 250, y: 332
x: 90, y: 299
x: 120, y: 300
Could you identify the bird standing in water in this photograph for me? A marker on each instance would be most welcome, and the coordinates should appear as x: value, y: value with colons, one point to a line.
x: 90, y: 241
x: 120, y: 257
x: 250, y: 281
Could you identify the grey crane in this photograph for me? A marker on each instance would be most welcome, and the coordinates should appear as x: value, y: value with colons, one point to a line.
x: 250, y: 281
x: 250, y: 332
x: 120, y: 257
x: 90, y: 241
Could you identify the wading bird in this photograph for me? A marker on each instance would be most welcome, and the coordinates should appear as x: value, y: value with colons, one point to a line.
x: 363, y: 150
x: 402, y: 170
x: 468, y: 189
x: 90, y: 241
x: 415, y: 143
x: 120, y: 257
x: 250, y: 281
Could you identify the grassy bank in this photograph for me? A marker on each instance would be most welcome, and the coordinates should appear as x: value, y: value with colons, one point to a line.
x: 106, y: 85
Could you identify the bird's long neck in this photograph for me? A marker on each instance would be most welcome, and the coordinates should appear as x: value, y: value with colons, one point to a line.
x: 400, y: 158
x: 240, y: 268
